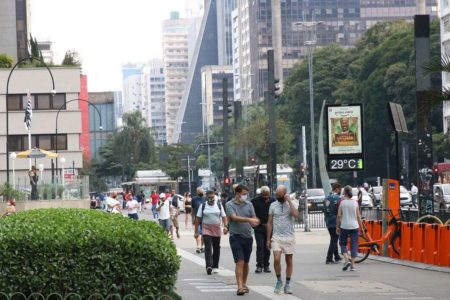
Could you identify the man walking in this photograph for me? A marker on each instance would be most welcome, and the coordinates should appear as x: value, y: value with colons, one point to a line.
x: 241, y: 218
x: 197, y: 201
x: 281, y: 236
x: 165, y: 210
x: 414, y: 192
x: 155, y: 199
x: 330, y: 209
x: 210, y: 215
x: 262, y: 204
x: 175, y: 213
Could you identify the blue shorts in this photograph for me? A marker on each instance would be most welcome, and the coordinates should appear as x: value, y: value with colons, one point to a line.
x: 200, y: 229
x: 241, y: 247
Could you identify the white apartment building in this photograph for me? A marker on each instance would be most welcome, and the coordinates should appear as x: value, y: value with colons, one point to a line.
x: 156, y: 88
x: 45, y: 106
x: 445, y: 51
x: 135, y: 94
x: 176, y: 66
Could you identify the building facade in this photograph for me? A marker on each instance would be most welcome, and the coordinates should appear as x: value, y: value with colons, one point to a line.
x: 44, y: 121
x: 99, y: 132
x: 14, y: 28
x: 212, y: 93
x: 157, y: 113
x: 259, y: 25
x: 445, y: 52
x: 176, y: 66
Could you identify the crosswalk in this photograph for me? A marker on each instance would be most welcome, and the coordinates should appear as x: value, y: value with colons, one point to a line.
x: 210, y: 286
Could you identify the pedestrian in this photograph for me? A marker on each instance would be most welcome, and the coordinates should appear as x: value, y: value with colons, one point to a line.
x: 155, y: 199
x: 32, y: 174
x: 197, y: 201
x: 141, y: 200
x: 112, y: 204
x: 210, y: 215
x: 261, y: 205
x: 281, y: 235
x: 132, y: 206
x: 10, y: 207
x: 241, y: 218
x: 187, y: 208
x: 330, y: 209
x: 348, y: 226
x: 174, y: 214
x: 414, y: 192
x: 165, y: 210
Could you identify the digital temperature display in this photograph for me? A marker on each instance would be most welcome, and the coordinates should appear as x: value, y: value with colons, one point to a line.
x: 346, y: 164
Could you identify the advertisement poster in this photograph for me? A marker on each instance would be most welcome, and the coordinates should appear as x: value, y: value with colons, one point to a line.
x: 344, y: 130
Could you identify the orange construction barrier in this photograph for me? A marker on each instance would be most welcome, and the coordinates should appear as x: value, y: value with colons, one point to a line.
x: 431, y: 244
x: 418, y: 242
x: 406, y: 240
x: 377, y: 232
x: 444, y: 246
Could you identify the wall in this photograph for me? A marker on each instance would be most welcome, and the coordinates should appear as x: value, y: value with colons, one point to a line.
x: 29, y: 205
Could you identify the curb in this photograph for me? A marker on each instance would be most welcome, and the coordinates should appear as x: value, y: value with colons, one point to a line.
x: 410, y: 264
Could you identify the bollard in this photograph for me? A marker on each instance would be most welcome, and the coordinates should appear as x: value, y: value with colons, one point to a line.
x: 431, y: 244
x: 418, y: 240
x: 444, y: 246
x: 406, y: 240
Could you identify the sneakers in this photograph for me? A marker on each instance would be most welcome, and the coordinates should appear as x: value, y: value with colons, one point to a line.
x: 287, y: 289
x: 202, y: 250
x: 352, y: 269
x: 278, y: 287
x: 331, y: 262
x: 267, y: 270
x: 209, y: 270
x: 258, y: 270
x: 198, y: 251
x: 346, y: 266
x: 215, y: 271
x: 337, y: 259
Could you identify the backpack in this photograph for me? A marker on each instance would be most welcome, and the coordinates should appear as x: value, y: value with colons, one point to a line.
x: 330, y: 205
x: 218, y: 204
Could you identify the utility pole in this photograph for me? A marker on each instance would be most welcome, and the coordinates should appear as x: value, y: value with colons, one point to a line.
x: 226, y: 162
x: 306, y: 179
x: 238, y: 147
x: 272, y: 166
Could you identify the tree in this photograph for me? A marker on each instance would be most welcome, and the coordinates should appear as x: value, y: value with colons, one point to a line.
x: 172, y: 160
x: 6, y: 61
x: 71, y: 58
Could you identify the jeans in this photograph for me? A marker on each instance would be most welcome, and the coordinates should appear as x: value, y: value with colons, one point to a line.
x: 262, y: 253
x: 414, y: 200
x: 343, y: 238
x: 333, y: 247
x: 34, y: 192
x: 155, y: 212
x: 212, y: 251
x: 133, y: 216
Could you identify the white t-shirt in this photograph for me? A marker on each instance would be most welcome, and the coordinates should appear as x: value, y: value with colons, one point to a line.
x: 414, y: 190
x: 164, y: 212
x: 349, y: 215
x: 132, y: 207
x: 111, y: 202
x: 212, y: 214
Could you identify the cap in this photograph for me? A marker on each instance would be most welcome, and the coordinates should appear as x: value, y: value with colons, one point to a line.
x: 162, y: 196
x: 258, y: 191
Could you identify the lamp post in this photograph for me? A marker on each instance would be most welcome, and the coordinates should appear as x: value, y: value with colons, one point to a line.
x: 62, y: 160
x: 310, y: 42
x: 13, y: 156
x: 57, y: 115
x: 31, y: 58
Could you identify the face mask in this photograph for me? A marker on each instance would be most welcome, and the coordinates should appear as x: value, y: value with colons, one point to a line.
x: 244, y: 197
x: 200, y: 195
x: 280, y: 199
x: 210, y: 200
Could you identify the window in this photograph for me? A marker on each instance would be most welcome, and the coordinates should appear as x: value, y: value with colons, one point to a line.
x: 43, y: 141
x: 38, y: 102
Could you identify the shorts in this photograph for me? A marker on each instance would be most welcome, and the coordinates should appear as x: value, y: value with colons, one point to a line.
x: 188, y: 210
x: 241, y: 247
x: 165, y: 224
x: 175, y: 221
x: 284, y: 245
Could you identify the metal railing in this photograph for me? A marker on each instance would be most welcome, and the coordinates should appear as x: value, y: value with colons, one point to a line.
x: 407, y: 215
x: 316, y: 219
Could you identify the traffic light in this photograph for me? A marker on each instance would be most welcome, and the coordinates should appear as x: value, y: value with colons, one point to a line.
x: 253, y: 161
x: 230, y: 110
x: 302, y: 170
x: 277, y: 91
x: 227, y: 181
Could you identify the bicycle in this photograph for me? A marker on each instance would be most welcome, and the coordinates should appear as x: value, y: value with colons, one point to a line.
x: 367, y: 244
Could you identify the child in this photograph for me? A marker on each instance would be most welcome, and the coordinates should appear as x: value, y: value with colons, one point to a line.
x: 10, y: 207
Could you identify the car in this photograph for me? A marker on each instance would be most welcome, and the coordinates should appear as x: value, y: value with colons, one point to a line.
x: 377, y: 192
x: 405, y: 197
x: 441, y: 196
x: 315, y: 197
x: 367, y: 198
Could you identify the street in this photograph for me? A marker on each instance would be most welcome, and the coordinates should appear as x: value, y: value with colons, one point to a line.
x: 312, y: 278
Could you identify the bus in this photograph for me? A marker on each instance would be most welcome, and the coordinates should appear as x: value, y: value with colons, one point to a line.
x: 148, y: 181
x: 256, y: 176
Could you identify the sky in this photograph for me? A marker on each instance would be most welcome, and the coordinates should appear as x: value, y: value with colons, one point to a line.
x: 105, y: 33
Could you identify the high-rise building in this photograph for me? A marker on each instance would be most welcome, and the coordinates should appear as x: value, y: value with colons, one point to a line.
x: 135, y: 93
x: 157, y: 113
x: 14, y: 28
x: 259, y: 25
x: 445, y: 52
x: 212, y: 93
x: 176, y: 66
x: 213, y: 47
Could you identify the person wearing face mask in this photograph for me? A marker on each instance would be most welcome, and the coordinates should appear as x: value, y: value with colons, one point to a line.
x: 281, y: 236
x: 210, y: 215
x: 197, y: 201
x: 262, y: 204
x: 241, y: 218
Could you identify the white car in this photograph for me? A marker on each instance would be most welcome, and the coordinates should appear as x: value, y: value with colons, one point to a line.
x: 367, y: 198
x: 405, y: 197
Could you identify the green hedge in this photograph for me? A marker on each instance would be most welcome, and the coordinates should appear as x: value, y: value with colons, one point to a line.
x: 85, y: 252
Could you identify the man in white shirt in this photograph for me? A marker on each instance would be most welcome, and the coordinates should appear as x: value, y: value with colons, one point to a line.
x: 165, y: 210
x: 112, y: 204
x: 132, y: 207
x: 414, y: 192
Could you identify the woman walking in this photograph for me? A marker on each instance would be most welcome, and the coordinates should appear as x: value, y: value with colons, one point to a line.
x: 349, y: 225
x: 187, y: 208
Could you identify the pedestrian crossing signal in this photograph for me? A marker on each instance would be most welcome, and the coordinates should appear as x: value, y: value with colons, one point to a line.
x: 227, y: 181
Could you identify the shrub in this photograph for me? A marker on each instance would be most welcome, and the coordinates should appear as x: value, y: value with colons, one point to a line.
x: 85, y: 252
x: 6, y: 61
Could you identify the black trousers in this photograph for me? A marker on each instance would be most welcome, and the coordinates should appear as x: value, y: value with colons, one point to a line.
x: 212, y: 251
x: 333, y: 248
x: 262, y: 253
